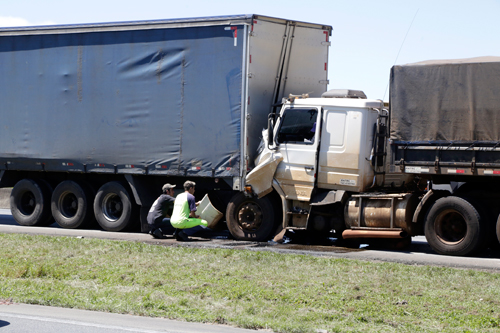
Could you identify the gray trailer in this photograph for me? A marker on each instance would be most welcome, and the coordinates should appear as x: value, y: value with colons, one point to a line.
x: 96, y: 117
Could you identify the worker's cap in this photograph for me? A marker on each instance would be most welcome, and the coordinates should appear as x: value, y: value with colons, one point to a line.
x: 167, y: 186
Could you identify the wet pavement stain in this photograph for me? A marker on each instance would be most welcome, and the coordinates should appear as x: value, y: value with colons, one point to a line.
x: 318, y: 248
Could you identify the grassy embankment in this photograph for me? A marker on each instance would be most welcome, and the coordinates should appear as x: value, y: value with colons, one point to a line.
x: 285, y: 293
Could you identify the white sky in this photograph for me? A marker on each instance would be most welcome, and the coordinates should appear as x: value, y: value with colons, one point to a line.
x: 367, y: 38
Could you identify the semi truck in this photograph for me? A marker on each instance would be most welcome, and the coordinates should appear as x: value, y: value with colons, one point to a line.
x: 97, y: 117
x: 426, y: 164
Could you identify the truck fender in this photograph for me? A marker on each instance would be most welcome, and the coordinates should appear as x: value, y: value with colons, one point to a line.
x: 427, y: 200
x: 143, y: 196
x: 261, y: 178
x: 142, y: 192
x: 131, y: 183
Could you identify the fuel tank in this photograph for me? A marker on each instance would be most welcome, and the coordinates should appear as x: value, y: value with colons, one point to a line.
x: 385, y: 211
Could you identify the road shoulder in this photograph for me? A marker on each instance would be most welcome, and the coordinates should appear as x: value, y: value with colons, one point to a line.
x: 107, y: 320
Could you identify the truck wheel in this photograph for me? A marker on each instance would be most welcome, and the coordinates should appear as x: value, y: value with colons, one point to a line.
x: 30, y: 203
x: 453, y: 226
x: 71, y: 205
x: 113, y: 207
x: 250, y: 218
x: 498, y: 228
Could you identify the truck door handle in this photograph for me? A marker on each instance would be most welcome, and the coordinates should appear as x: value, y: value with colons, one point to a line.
x: 309, y: 168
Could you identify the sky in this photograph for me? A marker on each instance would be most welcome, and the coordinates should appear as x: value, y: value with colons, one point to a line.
x: 369, y: 37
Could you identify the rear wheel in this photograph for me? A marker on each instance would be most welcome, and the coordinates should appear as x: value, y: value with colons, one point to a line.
x: 250, y: 218
x: 71, y: 205
x: 114, y: 208
x: 30, y: 203
x: 454, y: 226
x: 498, y: 228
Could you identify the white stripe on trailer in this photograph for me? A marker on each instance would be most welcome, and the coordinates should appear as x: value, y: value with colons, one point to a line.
x: 492, y: 172
x: 456, y: 171
x: 411, y: 169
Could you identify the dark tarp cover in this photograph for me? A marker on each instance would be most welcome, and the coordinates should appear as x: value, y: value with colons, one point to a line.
x: 446, y: 101
x: 166, y: 98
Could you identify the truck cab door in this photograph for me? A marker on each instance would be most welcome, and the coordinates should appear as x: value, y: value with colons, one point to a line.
x: 297, y: 137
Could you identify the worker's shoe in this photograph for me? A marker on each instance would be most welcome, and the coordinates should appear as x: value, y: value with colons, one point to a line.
x: 158, y: 234
x: 181, y: 236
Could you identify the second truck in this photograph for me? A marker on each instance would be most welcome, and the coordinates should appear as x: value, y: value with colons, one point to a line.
x: 346, y: 165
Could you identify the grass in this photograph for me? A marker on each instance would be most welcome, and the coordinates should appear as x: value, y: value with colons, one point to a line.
x: 258, y: 290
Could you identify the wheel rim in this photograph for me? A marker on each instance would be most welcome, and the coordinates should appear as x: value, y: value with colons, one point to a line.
x: 450, y: 227
x: 68, y: 204
x: 112, y: 207
x: 249, y: 216
x: 27, y: 203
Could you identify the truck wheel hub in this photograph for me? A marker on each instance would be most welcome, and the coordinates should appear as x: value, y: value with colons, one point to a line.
x: 451, y: 227
x: 112, y: 207
x: 68, y: 203
x: 28, y: 203
x: 250, y: 216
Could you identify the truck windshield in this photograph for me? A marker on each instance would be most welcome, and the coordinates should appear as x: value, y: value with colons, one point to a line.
x: 298, y: 126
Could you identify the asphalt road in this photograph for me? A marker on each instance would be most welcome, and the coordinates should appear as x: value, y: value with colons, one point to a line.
x: 419, y: 253
x: 23, y: 318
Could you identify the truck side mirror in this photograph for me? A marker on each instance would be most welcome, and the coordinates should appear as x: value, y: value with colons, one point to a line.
x: 270, y: 129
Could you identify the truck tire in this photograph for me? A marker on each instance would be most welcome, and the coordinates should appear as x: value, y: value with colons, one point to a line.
x: 30, y: 203
x: 453, y: 226
x: 71, y: 205
x: 113, y: 207
x: 498, y: 229
x: 250, y: 218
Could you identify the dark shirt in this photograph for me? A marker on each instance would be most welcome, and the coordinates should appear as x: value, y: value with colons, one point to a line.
x: 162, y: 207
x: 191, y: 202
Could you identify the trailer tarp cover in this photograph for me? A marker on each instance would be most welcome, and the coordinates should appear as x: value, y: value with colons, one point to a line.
x: 118, y: 96
x: 446, y: 101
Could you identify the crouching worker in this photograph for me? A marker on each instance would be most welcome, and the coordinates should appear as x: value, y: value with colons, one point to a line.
x: 160, y: 209
x: 184, y: 214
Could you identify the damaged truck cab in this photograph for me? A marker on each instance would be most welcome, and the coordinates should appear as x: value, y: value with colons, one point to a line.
x: 323, y: 154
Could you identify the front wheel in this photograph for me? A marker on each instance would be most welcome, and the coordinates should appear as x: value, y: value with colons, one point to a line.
x: 453, y: 226
x: 113, y: 207
x: 250, y: 218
